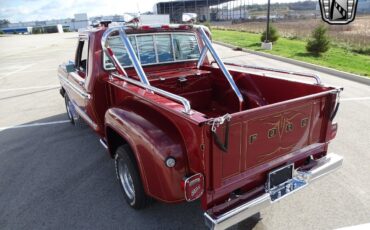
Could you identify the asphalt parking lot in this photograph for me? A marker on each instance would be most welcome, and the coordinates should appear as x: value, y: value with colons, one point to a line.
x: 57, y: 176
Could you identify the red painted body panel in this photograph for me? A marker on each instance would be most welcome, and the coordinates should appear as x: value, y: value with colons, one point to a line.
x: 282, y: 122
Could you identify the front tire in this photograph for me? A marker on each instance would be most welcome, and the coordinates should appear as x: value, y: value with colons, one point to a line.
x: 129, y: 178
x: 73, y: 116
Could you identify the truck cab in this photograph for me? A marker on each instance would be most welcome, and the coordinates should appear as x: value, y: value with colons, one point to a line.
x: 183, y: 125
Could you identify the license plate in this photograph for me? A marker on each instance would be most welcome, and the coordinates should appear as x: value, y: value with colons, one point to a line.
x: 280, y: 176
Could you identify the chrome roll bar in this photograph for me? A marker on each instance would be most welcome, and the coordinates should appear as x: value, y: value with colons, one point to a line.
x: 182, y: 100
x: 144, y: 82
x: 130, y: 50
x: 314, y: 76
x: 208, y: 47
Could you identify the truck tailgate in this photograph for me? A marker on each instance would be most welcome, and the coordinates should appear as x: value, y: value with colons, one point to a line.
x: 261, y: 135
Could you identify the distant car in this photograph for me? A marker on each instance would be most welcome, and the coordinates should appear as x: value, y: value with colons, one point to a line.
x: 182, y: 128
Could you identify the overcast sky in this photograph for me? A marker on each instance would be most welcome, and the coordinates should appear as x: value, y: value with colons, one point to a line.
x: 30, y: 10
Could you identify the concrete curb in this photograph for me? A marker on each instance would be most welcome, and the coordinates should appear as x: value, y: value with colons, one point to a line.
x: 337, y: 73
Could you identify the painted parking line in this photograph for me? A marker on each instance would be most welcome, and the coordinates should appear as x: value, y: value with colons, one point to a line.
x: 28, y: 88
x: 37, y: 71
x: 355, y: 99
x: 16, y: 71
x: 34, y: 125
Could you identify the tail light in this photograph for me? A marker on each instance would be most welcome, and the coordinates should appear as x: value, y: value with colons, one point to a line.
x: 146, y: 27
x: 336, y: 105
x: 184, y: 27
x: 333, y: 131
x: 166, y: 27
x: 194, y: 187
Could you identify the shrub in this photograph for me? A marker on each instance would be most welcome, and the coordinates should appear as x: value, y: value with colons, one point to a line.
x: 273, y: 35
x: 319, y: 41
x: 1, y: 32
x: 362, y: 50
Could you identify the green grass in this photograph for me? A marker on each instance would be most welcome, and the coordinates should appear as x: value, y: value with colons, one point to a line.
x: 336, y: 58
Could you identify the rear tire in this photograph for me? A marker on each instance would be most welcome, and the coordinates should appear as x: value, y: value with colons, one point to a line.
x: 129, y: 178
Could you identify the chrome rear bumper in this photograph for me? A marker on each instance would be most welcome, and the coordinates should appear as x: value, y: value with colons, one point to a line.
x: 322, y: 167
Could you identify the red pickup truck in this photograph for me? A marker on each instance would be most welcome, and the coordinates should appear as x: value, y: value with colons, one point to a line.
x: 182, y: 125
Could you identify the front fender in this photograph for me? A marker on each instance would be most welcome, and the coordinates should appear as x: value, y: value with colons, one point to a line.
x: 152, y: 138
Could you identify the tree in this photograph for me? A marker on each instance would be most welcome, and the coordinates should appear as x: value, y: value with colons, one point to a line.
x: 4, y: 23
x: 273, y: 35
x: 319, y: 41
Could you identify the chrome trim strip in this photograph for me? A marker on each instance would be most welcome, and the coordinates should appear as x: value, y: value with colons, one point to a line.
x: 74, y: 88
x: 155, y: 48
x: 310, y: 75
x: 221, y: 65
x: 323, y: 166
x: 187, y: 108
x: 78, y: 78
x: 102, y: 142
x: 160, y: 63
x: 77, y: 108
x: 173, y: 49
x: 85, y: 117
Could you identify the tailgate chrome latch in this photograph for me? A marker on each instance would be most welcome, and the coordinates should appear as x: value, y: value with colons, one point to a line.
x: 215, y: 123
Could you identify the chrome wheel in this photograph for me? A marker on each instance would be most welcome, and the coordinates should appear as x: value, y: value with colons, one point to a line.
x: 126, y: 180
x: 129, y: 178
x: 69, y: 109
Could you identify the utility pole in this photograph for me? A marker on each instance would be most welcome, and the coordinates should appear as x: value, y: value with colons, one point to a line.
x: 268, y: 22
x: 207, y: 17
x: 267, y: 45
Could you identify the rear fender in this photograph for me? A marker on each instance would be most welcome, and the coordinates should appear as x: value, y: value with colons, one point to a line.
x: 152, y: 138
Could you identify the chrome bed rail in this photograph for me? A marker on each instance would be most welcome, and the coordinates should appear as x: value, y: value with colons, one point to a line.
x: 314, y: 76
x: 182, y: 100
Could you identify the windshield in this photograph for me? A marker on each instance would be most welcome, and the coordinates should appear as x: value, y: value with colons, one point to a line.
x: 154, y: 49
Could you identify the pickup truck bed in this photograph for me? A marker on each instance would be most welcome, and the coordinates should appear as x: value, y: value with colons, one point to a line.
x: 281, y: 120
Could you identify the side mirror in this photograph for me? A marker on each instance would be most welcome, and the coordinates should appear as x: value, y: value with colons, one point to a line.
x: 70, y: 67
x: 189, y: 17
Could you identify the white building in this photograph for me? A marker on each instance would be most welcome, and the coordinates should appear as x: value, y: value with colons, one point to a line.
x: 73, y: 24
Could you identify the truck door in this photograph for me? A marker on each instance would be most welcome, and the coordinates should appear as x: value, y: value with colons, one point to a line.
x: 79, y: 96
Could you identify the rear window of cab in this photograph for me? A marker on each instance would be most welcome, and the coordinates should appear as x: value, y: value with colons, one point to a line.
x: 154, y: 49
